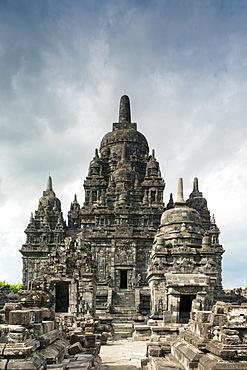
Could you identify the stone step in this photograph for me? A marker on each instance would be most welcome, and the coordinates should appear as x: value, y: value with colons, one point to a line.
x: 122, y: 327
x: 123, y: 330
x: 163, y: 363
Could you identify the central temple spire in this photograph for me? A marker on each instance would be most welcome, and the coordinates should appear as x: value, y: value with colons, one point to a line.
x: 124, y: 119
x: 49, y: 183
x: 124, y: 110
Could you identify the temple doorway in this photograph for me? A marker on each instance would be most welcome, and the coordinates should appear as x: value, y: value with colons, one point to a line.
x: 185, y: 307
x: 62, y: 297
x: 123, y: 279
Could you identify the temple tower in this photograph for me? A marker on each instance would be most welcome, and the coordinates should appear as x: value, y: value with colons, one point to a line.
x: 185, y: 258
x: 121, y: 212
x: 45, y: 232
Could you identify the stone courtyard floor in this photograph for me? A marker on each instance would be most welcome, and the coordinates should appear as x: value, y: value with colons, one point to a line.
x: 122, y: 355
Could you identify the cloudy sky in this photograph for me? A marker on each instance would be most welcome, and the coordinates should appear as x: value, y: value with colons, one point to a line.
x: 64, y: 65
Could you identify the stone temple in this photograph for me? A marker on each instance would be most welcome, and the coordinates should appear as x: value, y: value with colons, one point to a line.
x: 124, y: 265
x: 124, y: 255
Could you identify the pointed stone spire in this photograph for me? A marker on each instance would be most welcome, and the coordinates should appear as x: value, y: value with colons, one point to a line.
x: 124, y: 110
x: 96, y: 156
x: 49, y: 184
x: 195, y: 185
x: 153, y: 153
x: 180, y: 193
x: 31, y: 218
x: 170, y: 204
x: 195, y: 192
x: 213, y: 219
x: 49, y: 191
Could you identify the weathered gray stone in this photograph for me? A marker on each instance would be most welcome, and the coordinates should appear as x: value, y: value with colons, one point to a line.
x: 3, y: 364
x: 47, y: 326
x: 21, y: 317
x: 75, y: 348
x: 17, y: 350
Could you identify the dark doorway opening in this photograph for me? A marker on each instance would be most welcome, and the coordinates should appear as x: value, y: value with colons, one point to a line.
x: 62, y: 297
x: 123, y: 279
x: 185, y: 307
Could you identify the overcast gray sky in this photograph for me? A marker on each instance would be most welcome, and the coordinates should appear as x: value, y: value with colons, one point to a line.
x: 64, y: 65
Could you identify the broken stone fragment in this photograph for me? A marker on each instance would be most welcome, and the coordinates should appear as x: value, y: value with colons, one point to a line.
x: 75, y: 348
x: 21, y: 317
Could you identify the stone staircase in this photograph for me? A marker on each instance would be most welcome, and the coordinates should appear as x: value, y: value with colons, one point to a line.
x: 123, y: 311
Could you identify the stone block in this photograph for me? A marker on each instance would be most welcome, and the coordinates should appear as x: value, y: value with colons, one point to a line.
x: 75, y: 348
x: 51, y: 354
x: 102, y: 338
x: 202, y: 316
x: 61, y: 345
x: 21, y: 317
x: 10, y: 307
x: 46, y: 313
x: 218, y: 349
x: 16, y: 337
x: 85, y: 357
x: 3, y: 364
x: 47, y: 326
x: 90, y: 341
x: 210, y: 362
x: 170, y: 363
x: 166, y: 317
x: 186, y: 354
x: 33, y: 363
x: 77, y: 338
x: 50, y: 337
x: 2, y: 346
x: 38, y: 316
x: 78, y: 366
x: 17, y: 350
x: 154, y: 351
x: 38, y: 329
x: 15, y: 328
x: 217, y: 319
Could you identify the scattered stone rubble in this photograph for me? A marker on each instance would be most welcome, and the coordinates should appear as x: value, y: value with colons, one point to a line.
x: 214, y: 339
x: 31, y: 337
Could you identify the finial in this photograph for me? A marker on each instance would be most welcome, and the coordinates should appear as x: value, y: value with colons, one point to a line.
x: 195, y: 185
x: 49, y: 183
x: 75, y: 200
x: 96, y: 153
x: 170, y: 204
x: 153, y: 153
x: 180, y: 192
x: 124, y: 109
x: 213, y: 219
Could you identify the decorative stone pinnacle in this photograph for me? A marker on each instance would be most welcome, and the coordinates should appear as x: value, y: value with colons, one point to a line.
x: 195, y: 185
x: 124, y: 109
x: 49, y: 184
x: 180, y: 193
x: 213, y: 219
x: 153, y: 153
x: 96, y: 153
